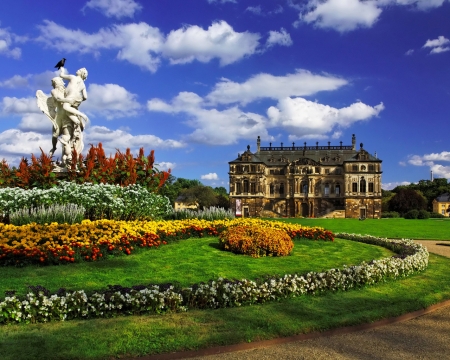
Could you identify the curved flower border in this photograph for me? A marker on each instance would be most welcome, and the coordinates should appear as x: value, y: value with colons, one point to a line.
x: 39, y: 306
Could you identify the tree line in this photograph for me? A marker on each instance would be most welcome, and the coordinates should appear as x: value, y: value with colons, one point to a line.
x: 415, y: 196
x: 193, y: 192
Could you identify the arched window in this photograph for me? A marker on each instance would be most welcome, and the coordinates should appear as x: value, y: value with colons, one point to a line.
x: 305, y: 187
x: 272, y: 189
x: 337, y: 189
x: 245, y: 186
x: 281, y: 189
x: 362, y: 186
x: 326, y: 190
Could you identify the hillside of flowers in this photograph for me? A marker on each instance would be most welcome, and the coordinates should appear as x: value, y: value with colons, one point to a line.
x: 41, y: 306
x: 96, y: 240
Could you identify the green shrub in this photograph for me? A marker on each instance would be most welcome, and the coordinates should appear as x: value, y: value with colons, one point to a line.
x: 423, y: 214
x: 62, y: 214
x: 390, y: 214
x: 435, y: 215
x: 412, y: 214
x: 256, y: 241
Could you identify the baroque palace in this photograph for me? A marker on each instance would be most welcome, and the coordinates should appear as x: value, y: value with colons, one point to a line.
x: 308, y: 181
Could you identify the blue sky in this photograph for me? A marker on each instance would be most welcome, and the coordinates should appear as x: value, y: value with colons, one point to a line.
x: 199, y: 80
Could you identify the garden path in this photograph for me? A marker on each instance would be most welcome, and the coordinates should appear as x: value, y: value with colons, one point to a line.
x: 425, y: 335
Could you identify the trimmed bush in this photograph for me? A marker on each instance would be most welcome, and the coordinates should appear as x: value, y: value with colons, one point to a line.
x: 390, y: 214
x: 256, y: 241
x: 423, y: 214
x: 412, y: 214
x: 435, y: 215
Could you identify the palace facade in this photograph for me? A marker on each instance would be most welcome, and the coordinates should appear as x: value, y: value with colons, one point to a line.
x: 308, y: 181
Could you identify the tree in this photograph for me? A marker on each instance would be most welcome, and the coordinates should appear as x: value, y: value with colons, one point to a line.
x: 202, y: 195
x: 173, y: 187
x: 407, y: 199
x: 221, y: 191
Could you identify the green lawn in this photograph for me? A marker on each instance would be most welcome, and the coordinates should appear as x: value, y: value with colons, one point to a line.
x: 187, y: 262
x: 430, y: 229
x: 196, y: 260
x: 143, y: 335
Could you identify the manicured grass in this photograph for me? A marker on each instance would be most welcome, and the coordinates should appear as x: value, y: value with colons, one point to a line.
x: 430, y: 229
x: 141, y: 335
x: 187, y: 262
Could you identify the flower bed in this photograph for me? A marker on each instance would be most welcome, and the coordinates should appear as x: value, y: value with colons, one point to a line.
x: 95, y: 240
x: 256, y: 241
x: 40, y: 306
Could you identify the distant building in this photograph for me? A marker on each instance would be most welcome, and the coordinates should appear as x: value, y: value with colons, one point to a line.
x: 308, y: 181
x: 441, y: 204
x: 181, y: 204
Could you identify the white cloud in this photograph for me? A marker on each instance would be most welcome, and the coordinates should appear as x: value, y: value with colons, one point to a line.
x: 144, y: 45
x: 218, y: 41
x: 138, y: 43
x: 409, y: 52
x: 18, y: 106
x: 341, y: 15
x: 438, y: 45
x: 34, y: 81
x: 16, y: 81
x: 15, y: 143
x: 302, y: 83
x: 210, y: 176
x: 221, y: 1
x: 419, y: 4
x: 279, y: 38
x: 7, y: 40
x: 110, y: 101
x: 254, y: 9
x: 164, y: 165
x: 212, y: 126
x: 348, y: 15
x: 432, y: 161
x: 114, y: 8
x: 38, y: 123
x: 121, y: 139
x: 392, y: 185
x: 302, y: 117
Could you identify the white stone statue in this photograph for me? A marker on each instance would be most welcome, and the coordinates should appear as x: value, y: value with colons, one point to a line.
x: 62, y: 110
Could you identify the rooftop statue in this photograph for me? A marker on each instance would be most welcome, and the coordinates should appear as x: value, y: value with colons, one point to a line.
x: 61, y: 107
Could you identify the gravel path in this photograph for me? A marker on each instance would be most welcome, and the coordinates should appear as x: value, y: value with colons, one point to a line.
x: 425, y: 337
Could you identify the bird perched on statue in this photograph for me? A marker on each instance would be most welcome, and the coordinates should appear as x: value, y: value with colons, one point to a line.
x: 61, y: 63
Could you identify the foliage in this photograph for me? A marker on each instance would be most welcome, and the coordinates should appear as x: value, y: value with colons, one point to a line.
x: 62, y: 214
x: 430, y: 189
x: 41, y: 306
x: 386, y: 196
x: 390, y: 214
x: 122, y: 169
x: 407, y: 199
x: 423, y: 214
x: 435, y: 215
x: 173, y: 186
x: 213, y: 213
x: 256, y: 241
x: 101, y: 201
x: 412, y: 214
x: 202, y: 195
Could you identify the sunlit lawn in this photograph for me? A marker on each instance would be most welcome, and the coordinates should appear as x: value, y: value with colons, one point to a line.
x: 429, y: 229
